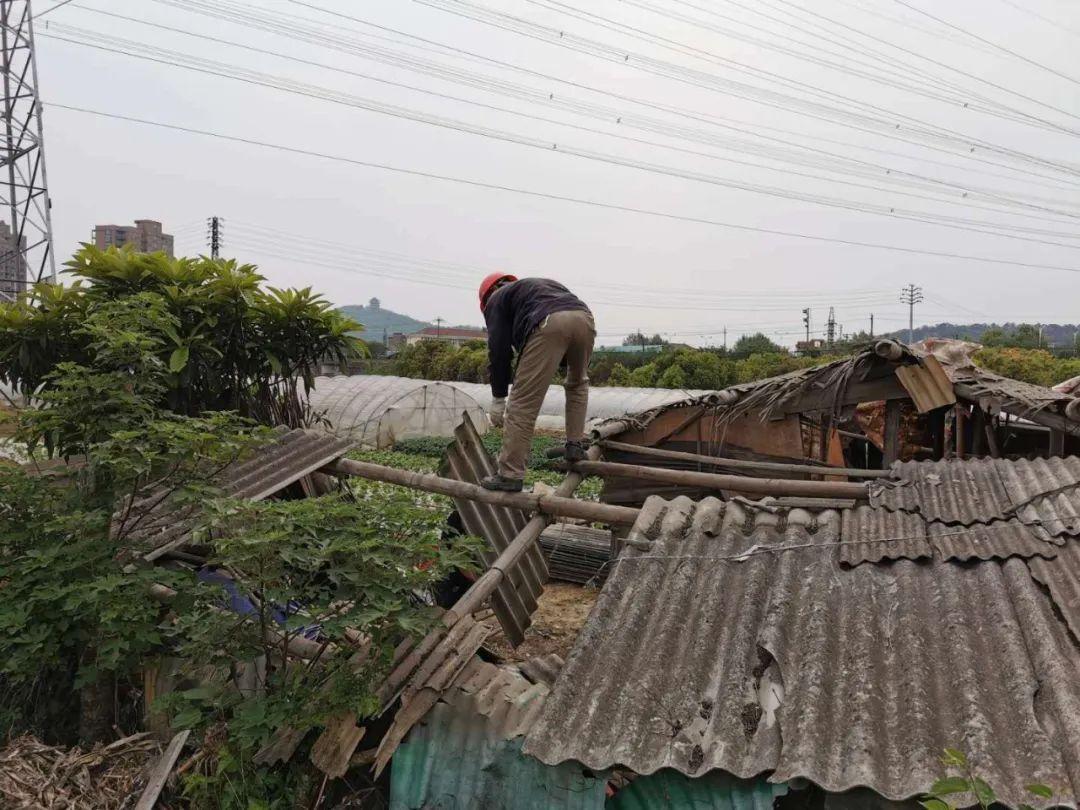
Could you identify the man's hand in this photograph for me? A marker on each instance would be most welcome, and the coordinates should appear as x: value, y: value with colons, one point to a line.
x: 497, y: 411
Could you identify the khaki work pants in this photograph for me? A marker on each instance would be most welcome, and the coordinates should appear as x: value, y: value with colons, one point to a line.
x: 570, y: 335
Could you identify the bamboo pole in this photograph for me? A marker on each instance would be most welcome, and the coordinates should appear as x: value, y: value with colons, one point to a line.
x: 742, y: 464
x: 735, y: 483
x: 558, y: 505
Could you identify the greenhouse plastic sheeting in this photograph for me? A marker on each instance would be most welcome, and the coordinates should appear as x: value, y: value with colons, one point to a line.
x: 605, y: 402
x: 378, y: 411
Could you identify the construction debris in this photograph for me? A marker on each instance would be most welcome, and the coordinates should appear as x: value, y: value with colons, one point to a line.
x: 35, y: 776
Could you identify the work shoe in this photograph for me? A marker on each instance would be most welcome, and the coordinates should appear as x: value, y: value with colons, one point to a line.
x: 575, y: 451
x: 500, y: 483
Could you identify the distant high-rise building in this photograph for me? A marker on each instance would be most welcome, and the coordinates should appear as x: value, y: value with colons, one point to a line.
x: 12, y: 264
x: 145, y: 235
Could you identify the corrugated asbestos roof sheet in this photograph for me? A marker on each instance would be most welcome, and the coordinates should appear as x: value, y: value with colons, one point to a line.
x: 515, y: 600
x: 467, y: 752
x: 708, y: 649
x: 1039, y: 492
x: 294, y: 455
x: 874, y: 535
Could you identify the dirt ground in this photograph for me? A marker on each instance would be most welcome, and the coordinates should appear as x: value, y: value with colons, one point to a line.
x: 561, y: 611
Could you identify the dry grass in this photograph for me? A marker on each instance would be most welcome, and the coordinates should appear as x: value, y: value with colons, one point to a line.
x: 560, y: 614
x: 35, y: 776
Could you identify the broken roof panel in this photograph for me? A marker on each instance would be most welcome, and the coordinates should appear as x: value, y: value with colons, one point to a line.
x: 730, y: 655
x: 1039, y: 492
x: 515, y: 599
x: 873, y: 535
x: 1062, y: 578
x: 293, y: 455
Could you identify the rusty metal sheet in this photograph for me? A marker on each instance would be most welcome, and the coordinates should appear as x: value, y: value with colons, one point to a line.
x: 928, y: 384
x: 294, y: 455
x: 515, y: 599
x: 711, y: 648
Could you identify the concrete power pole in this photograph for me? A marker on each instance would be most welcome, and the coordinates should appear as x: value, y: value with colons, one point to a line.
x: 911, y: 295
x: 215, y: 233
x: 871, y: 325
x: 28, y: 251
x: 806, y: 323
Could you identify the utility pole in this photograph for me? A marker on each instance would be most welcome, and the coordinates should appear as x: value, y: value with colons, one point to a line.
x: 911, y: 295
x: 725, y: 338
x: 27, y: 249
x: 830, y: 328
x: 385, y: 338
x: 871, y: 325
x: 806, y: 323
x: 215, y: 233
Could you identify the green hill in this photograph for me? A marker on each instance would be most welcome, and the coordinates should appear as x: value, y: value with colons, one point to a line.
x: 376, y: 319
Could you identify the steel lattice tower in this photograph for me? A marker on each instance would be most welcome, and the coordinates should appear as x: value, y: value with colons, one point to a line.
x: 24, y: 193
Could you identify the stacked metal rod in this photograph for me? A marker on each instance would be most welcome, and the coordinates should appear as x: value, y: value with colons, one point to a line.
x: 576, y: 553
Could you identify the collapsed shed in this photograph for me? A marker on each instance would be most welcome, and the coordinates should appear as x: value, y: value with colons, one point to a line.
x: 888, y: 403
x: 378, y: 411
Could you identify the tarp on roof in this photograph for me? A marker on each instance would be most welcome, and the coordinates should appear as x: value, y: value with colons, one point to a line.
x: 710, y: 649
x: 378, y: 411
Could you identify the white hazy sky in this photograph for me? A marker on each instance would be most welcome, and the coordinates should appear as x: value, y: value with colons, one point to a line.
x: 746, y: 112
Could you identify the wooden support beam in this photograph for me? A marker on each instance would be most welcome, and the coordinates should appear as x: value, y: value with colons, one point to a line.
x: 734, y: 483
x: 526, y: 501
x: 1057, y: 442
x: 743, y: 464
x: 937, y: 432
x: 978, y: 431
x: 892, y: 431
x: 992, y: 438
x: 961, y: 429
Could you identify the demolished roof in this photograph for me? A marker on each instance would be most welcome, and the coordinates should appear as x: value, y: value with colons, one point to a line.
x: 732, y: 638
x: 924, y: 372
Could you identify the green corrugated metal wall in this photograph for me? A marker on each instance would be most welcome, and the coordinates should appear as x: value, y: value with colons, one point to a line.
x: 672, y: 790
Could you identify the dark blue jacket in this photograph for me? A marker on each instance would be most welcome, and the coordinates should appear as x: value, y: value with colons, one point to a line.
x: 513, y: 312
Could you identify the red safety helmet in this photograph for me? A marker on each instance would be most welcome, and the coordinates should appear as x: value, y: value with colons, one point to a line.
x: 487, y: 286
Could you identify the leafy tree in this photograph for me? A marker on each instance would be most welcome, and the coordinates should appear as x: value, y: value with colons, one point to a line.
x: 619, y: 376
x: 227, y: 342
x: 376, y: 349
x: 757, y: 343
x: 673, y: 377
x: 644, y: 376
x: 640, y: 339
x: 1036, y: 366
x: 82, y: 618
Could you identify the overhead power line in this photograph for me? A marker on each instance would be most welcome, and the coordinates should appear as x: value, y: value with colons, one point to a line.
x: 835, y: 162
x: 985, y: 41
x: 750, y: 128
x: 886, y: 121
x: 212, y: 67
x: 567, y: 198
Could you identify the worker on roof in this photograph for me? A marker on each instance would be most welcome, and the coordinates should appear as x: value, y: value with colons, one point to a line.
x: 547, y: 326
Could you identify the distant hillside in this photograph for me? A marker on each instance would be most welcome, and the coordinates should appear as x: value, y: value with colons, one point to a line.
x: 376, y: 319
x: 1054, y: 334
